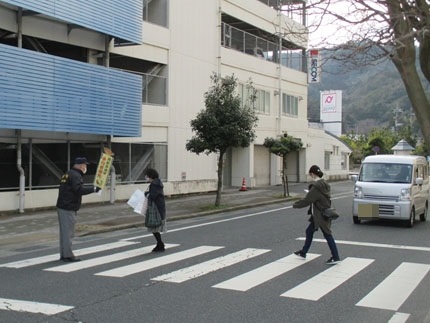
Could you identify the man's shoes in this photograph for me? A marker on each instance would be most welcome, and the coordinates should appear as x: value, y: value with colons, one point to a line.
x: 159, y: 248
x: 332, y: 261
x: 300, y: 253
x: 70, y: 259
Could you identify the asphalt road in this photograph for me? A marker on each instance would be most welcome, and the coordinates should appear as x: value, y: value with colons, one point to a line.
x: 229, y: 267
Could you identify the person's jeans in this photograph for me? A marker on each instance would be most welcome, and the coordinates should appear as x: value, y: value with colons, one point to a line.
x: 330, y: 241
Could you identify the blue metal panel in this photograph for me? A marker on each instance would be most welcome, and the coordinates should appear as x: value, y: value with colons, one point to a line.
x: 49, y: 93
x: 122, y: 19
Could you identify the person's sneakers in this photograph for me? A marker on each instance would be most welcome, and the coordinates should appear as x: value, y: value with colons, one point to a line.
x: 332, y: 261
x: 300, y: 253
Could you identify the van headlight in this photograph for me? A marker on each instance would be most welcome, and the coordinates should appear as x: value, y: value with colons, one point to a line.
x: 358, y: 192
x: 405, y: 194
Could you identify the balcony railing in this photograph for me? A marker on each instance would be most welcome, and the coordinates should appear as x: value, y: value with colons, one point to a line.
x: 247, y: 43
x: 293, y: 9
x: 48, y: 93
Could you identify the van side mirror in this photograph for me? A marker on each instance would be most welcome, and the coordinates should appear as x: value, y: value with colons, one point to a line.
x: 354, y: 178
x: 419, y: 181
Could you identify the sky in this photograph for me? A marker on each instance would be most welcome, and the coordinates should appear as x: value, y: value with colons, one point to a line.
x: 329, y: 31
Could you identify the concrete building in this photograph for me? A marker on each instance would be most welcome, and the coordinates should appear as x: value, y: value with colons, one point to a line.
x: 131, y: 75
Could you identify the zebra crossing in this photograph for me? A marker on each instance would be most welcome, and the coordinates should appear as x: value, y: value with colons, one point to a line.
x: 390, y: 294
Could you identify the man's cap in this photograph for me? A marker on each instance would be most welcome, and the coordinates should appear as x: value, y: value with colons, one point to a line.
x: 81, y: 160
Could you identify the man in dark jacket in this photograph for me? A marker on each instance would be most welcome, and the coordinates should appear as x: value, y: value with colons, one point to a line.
x: 68, y: 203
x: 318, y: 198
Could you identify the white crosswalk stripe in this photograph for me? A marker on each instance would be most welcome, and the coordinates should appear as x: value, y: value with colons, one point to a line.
x: 206, y: 267
x: 396, y: 288
x: 74, y: 266
x: 390, y: 294
x: 32, y: 307
x: 160, y: 261
x: 265, y: 273
x: 321, y: 284
x: 79, y: 252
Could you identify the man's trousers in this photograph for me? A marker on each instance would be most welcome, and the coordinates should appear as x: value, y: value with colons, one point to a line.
x: 67, y: 221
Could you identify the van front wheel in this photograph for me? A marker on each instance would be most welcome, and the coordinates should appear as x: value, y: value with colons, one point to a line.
x: 411, y: 221
x: 355, y: 219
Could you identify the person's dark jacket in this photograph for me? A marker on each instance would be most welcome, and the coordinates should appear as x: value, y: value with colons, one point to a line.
x: 71, y: 190
x: 155, y: 194
x: 319, y: 197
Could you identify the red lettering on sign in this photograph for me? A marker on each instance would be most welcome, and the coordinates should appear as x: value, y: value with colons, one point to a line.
x: 329, y: 99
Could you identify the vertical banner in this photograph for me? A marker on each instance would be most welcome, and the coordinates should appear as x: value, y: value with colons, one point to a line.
x: 314, y: 66
x: 331, y: 111
x: 103, y: 168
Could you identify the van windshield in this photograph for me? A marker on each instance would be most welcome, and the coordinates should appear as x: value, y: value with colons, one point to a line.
x: 386, y: 173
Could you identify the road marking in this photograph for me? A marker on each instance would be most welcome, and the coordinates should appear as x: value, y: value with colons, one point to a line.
x: 157, y: 262
x: 396, y: 288
x: 265, y: 273
x: 79, y: 252
x: 323, y: 283
x: 399, y: 318
x: 212, y: 265
x: 370, y: 244
x: 32, y: 307
x: 74, y: 266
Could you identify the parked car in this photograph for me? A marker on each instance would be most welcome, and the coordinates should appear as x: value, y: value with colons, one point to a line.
x: 391, y: 187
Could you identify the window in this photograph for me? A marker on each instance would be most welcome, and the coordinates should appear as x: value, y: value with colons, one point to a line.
x: 290, y: 105
x: 344, y: 161
x: 262, y: 101
x: 327, y: 155
x: 155, y: 11
x: 44, y: 164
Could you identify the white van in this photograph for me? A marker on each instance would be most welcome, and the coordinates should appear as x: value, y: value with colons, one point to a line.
x: 391, y: 187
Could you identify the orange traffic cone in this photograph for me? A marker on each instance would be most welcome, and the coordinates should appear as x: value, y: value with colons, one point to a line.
x: 243, y: 188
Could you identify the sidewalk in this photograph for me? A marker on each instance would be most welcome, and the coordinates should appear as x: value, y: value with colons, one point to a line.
x: 41, y: 226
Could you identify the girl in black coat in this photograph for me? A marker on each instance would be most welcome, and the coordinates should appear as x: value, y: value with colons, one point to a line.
x: 155, y: 194
x: 318, y: 198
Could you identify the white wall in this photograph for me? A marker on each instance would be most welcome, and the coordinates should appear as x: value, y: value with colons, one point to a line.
x: 192, y: 59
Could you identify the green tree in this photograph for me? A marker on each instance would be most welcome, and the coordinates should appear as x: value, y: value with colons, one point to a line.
x: 281, y: 147
x: 356, y: 143
x: 226, y: 122
x: 385, y: 139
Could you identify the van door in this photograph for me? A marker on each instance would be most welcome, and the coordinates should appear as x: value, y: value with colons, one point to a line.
x: 419, y: 191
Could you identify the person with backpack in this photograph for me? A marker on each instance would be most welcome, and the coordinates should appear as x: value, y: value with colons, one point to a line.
x: 318, y: 198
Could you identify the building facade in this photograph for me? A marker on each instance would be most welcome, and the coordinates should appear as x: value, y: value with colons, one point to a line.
x: 131, y: 75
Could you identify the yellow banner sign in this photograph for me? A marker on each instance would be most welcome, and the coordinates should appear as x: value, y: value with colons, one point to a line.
x: 103, y: 170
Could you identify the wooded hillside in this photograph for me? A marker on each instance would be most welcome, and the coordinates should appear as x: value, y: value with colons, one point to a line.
x: 372, y: 96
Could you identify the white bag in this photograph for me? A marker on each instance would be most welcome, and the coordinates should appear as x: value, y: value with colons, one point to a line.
x: 134, y: 200
x: 142, y: 206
